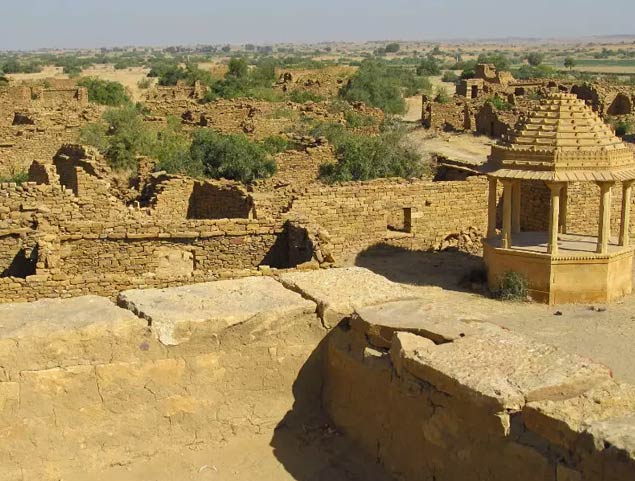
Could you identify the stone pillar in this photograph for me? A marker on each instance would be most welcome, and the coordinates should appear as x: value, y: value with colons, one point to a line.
x: 554, y: 216
x: 564, y: 198
x: 506, y: 236
x: 491, y: 208
x: 516, y: 208
x: 604, y: 228
x: 627, y: 188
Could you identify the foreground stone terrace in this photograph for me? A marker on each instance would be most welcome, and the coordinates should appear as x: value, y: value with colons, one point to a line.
x: 88, y: 387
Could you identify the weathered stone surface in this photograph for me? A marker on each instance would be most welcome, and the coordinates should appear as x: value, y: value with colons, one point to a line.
x: 339, y: 292
x: 418, y: 316
x: 176, y: 314
x: 64, y: 332
x: 504, y: 369
x: 564, y: 422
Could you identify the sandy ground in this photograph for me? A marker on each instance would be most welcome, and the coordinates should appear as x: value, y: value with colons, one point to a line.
x: 293, y: 453
x: 466, y: 148
x: 129, y: 77
x: 605, y: 334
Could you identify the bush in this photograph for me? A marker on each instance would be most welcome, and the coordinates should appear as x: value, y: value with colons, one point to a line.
x: 362, y: 157
x: 623, y: 127
x: 377, y: 85
x: 172, y: 150
x: 144, y: 83
x: 15, y: 176
x: 535, y: 58
x: 512, y: 287
x: 356, y: 120
x: 499, y: 103
x: 392, y: 48
x: 303, y: 96
x: 429, y: 66
x: 500, y: 61
x: 442, y: 96
x: 450, y: 77
x: 104, y: 92
x: 275, y: 144
x: 121, y: 137
x: 232, y: 157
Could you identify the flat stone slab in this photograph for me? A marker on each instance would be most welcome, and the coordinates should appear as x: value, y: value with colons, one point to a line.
x: 417, y: 316
x: 503, y: 370
x: 339, y: 292
x: 53, y: 333
x: 175, y: 313
x: 563, y: 422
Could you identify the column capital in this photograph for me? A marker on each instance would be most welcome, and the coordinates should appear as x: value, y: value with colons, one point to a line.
x: 555, y: 187
x: 605, y: 184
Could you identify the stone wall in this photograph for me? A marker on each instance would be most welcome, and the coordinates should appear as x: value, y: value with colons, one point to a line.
x: 86, y: 385
x: 411, y: 214
x: 477, y: 403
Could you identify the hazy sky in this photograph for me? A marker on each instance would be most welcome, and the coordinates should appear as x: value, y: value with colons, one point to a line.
x: 32, y: 24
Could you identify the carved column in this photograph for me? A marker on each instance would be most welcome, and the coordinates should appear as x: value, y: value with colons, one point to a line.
x: 627, y: 188
x: 506, y: 236
x: 564, y: 197
x: 516, y: 208
x: 491, y: 208
x: 604, y: 228
x: 554, y: 217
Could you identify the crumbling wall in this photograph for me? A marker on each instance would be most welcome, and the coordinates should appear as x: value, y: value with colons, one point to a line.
x: 357, y: 215
x: 462, y: 400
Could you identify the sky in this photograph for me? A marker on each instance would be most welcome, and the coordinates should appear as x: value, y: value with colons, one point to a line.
x: 33, y: 24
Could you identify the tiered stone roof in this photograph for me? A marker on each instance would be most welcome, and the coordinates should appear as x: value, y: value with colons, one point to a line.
x: 562, y: 139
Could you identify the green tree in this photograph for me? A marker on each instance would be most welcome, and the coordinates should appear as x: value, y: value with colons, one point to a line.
x: 392, y: 48
x: 500, y: 61
x: 569, y: 62
x: 535, y: 58
x: 360, y: 157
x: 232, y: 157
x: 104, y: 92
x: 375, y: 84
x: 238, y: 68
x: 121, y: 137
x: 429, y: 66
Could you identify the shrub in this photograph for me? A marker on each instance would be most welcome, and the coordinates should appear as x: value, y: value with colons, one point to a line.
x: 121, y: 137
x: 500, y: 61
x: 144, y: 83
x: 363, y: 158
x: 442, y: 96
x: 303, y: 96
x: 15, y: 176
x: 238, y: 68
x: 450, y: 77
x: 623, y: 127
x: 104, y: 92
x: 232, y: 157
x: 356, y: 120
x: 392, y: 48
x: 512, y: 287
x: 275, y: 144
x: 172, y: 150
x: 499, y: 103
x: 376, y: 85
x: 429, y: 66
x: 535, y: 58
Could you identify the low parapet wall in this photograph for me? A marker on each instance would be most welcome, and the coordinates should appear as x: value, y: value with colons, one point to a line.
x: 452, y: 400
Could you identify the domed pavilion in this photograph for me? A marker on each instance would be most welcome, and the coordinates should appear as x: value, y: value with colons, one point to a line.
x: 559, y: 142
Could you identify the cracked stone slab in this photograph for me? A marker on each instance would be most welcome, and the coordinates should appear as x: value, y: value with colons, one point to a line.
x: 418, y: 316
x: 176, y: 313
x: 339, y: 292
x: 499, y: 369
x: 53, y: 333
x: 564, y: 422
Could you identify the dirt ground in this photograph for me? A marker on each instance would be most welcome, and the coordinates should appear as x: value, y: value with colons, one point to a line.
x: 605, y: 334
x: 302, y: 452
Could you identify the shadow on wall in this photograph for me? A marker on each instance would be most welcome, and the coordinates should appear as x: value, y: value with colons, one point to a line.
x: 306, y: 444
x: 450, y: 269
x: 210, y: 201
x: 22, y: 265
